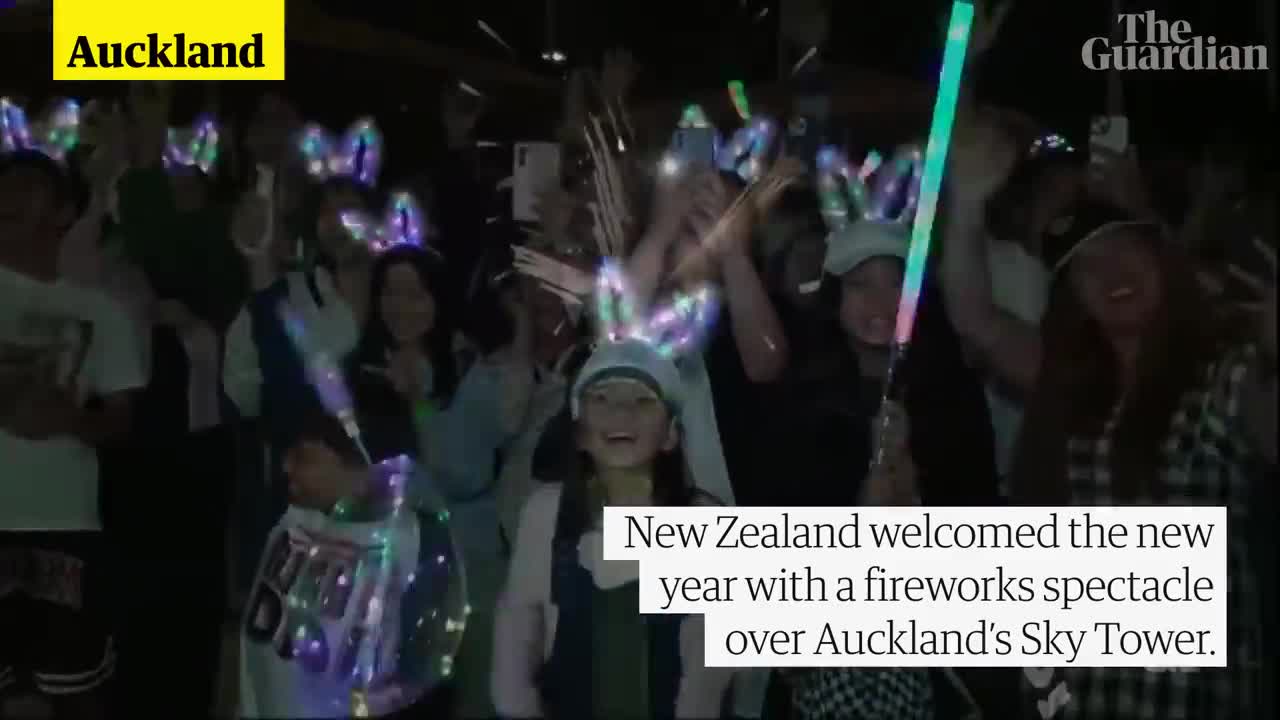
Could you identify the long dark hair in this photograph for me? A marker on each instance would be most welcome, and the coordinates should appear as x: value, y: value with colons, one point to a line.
x: 950, y: 423
x: 375, y: 339
x: 1078, y: 385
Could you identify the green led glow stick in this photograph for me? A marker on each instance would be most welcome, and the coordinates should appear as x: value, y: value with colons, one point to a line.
x: 935, y: 159
x: 738, y: 94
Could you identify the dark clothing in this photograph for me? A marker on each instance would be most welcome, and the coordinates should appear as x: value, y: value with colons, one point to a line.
x: 186, y: 256
x: 736, y: 400
x: 820, y: 417
x: 607, y: 660
x: 56, y: 613
x: 167, y: 460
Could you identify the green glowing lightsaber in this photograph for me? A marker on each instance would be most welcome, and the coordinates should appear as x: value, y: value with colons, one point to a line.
x: 935, y: 161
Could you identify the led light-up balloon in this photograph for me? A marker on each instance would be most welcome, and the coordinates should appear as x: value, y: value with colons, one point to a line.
x: 359, y: 613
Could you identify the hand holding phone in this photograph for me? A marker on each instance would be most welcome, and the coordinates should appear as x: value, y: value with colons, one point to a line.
x: 694, y: 148
x: 1108, y: 136
x: 536, y: 166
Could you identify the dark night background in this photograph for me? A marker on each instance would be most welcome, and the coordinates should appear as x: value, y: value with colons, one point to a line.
x: 686, y: 45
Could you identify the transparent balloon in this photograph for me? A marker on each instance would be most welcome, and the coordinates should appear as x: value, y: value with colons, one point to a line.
x: 356, y: 613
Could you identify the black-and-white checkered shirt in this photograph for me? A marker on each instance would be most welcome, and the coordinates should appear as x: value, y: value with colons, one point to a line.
x: 1206, y: 463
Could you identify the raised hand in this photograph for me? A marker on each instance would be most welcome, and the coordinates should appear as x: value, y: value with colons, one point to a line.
x: 554, y: 207
x: 150, y: 104
x: 988, y: 18
x: 617, y: 75
x: 784, y: 173
x: 982, y: 156
x: 559, y: 277
x: 107, y: 130
x: 720, y: 222
x: 251, y: 226
x: 892, y: 481
x: 1117, y: 177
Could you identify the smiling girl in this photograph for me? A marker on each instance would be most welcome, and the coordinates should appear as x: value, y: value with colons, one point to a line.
x: 570, y: 640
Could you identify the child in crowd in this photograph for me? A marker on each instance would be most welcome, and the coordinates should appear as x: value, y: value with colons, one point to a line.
x: 333, y: 625
x: 570, y: 641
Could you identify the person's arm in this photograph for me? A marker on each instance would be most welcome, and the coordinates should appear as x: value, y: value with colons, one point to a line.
x: 515, y: 366
x: 241, y: 375
x: 79, y: 257
x: 702, y: 689
x: 981, y: 161
x: 648, y: 262
x: 519, y: 631
x: 757, y: 330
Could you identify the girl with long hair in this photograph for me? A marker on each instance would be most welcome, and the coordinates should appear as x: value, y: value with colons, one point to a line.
x: 1133, y: 399
x: 404, y: 370
x: 939, y: 449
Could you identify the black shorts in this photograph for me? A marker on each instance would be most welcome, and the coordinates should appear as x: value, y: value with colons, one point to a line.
x: 55, y: 614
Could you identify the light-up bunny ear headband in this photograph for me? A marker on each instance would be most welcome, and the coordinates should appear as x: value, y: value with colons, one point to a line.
x: 673, y: 329
x: 871, y: 192
x: 196, y: 146
x: 54, y: 134
x: 356, y: 155
x: 402, y: 224
x: 746, y: 153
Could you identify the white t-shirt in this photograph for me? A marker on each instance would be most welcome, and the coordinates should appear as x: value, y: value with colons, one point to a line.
x: 92, y: 348
x: 1020, y: 287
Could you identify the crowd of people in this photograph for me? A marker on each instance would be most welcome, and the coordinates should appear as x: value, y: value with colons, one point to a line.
x: 1080, y: 340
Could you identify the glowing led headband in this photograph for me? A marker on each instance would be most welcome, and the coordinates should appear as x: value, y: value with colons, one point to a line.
x: 401, y: 224
x: 196, y: 146
x: 356, y: 155
x: 693, y: 117
x: 746, y: 152
x: 872, y: 191
x: 673, y: 329
x: 1053, y: 142
x: 54, y: 134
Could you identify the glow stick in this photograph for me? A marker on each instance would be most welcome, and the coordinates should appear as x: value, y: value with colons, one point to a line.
x: 325, y: 377
x: 935, y: 157
x: 738, y: 94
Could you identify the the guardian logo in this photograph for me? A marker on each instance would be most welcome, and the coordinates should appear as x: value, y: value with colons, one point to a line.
x: 168, y: 40
x: 154, y: 53
x: 1150, y: 43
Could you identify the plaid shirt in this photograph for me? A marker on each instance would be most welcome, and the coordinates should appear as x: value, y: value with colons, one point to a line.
x: 1206, y: 463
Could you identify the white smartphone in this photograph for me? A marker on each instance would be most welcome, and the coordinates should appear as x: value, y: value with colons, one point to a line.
x: 1110, y: 133
x: 536, y: 165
